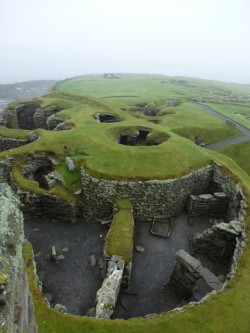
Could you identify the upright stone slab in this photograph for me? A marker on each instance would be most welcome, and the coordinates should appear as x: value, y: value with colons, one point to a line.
x: 190, y: 279
x: 107, y: 295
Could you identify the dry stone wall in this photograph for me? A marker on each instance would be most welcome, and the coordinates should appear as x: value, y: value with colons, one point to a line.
x: 9, y: 143
x: 232, y: 190
x: 149, y: 198
x: 191, y: 279
x: 46, y: 205
x: 218, y: 242
x: 5, y: 170
x: 211, y: 205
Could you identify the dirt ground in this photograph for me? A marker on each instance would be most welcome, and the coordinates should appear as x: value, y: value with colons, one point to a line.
x: 73, y: 281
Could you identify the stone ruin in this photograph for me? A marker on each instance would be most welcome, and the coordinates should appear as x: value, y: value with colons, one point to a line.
x: 107, y: 118
x: 191, y: 279
x: 138, y: 138
x: 32, y: 115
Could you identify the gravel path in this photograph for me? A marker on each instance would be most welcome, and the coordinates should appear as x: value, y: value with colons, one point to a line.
x: 243, y: 129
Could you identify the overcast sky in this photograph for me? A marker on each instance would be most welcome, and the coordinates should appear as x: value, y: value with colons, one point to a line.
x: 55, y: 39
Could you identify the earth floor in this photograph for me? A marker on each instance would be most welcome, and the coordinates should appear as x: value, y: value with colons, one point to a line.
x: 73, y: 281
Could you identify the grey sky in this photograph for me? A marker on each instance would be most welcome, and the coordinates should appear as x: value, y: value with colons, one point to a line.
x: 51, y: 39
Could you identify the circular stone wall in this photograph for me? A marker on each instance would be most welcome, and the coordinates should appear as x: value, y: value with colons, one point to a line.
x: 140, y: 136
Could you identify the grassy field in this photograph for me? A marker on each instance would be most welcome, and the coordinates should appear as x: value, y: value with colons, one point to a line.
x: 240, y: 153
x: 94, y: 145
x: 90, y: 140
x: 237, y: 112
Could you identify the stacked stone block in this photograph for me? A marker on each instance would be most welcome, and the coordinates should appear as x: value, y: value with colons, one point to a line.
x: 211, y: 205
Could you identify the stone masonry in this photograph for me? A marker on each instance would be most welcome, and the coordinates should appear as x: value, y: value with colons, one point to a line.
x: 149, y: 198
x: 211, y: 205
x: 189, y: 275
x: 218, y: 242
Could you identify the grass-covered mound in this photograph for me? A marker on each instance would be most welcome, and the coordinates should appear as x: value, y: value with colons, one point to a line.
x: 94, y: 144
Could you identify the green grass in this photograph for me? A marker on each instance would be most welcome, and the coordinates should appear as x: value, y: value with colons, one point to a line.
x: 94, y: 145
x: 119, y: 239
x: 236, y: 112
x: 13, y: 133
x: 240, y: 153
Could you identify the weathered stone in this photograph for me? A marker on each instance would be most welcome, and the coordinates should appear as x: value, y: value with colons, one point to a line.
x: 139, y: 248
x: 111, y: 267
x: 188, y: 261
x: 116, y: 258
x: 53, y: 252
x: 32, y: 136
x: 60, y: 308
x: 70, y: 163
x: 10, y: 143
x: 120, y: 264
x: 218, y: 243
x: 215, y: 205
x: 78, y: 192
x: 107, y: 295
x: 92, y: 260
x: 149, y: 198
x: 60, y: 257
x: 63, y: 126
x: 65, y: 249
x: 190, y: 278
x: 210, y: 279
x: 52, y: 121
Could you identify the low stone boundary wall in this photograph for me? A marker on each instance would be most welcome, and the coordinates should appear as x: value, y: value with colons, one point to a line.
x: 9, y: 143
